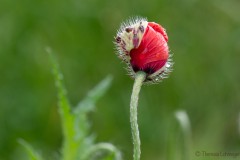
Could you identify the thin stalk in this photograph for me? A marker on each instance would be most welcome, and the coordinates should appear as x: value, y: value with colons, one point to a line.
x: 139, y: 78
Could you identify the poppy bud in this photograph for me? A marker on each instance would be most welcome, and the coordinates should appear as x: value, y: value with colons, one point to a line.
x: 143, y: 46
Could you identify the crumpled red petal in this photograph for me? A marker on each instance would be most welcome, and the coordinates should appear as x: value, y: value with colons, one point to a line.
x: 152, y: 53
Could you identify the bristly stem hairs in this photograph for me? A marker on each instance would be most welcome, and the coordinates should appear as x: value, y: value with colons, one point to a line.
x: 139, y: 79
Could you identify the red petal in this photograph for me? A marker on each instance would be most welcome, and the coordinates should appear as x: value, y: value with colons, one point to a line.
x: 152, y: 53
x: 159, y: 28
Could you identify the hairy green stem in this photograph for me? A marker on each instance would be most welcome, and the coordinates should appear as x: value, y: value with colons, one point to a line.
x: 139, y: 78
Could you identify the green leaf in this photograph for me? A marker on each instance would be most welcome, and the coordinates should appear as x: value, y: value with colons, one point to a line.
x: 115, y: 154
x: 88, y: 103
x: 81, y: 122
x: 75, y: 124
x: 67, y: 120
x: 64, y: 106
x: 33, y: 155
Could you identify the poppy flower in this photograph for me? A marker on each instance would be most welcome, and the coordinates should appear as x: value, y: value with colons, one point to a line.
x: 143, y: 46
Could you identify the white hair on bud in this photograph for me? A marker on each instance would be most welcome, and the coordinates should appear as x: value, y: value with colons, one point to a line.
x: 129, y: 36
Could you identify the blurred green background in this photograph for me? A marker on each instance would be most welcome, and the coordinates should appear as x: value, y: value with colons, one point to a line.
x: 204, y: 36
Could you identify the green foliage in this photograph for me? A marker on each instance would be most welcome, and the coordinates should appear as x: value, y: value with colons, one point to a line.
x: 203, y: 36
x: 77, y: 143
x: 32, y: 154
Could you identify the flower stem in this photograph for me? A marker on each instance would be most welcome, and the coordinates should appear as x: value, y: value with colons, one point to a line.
x: 139, y: 78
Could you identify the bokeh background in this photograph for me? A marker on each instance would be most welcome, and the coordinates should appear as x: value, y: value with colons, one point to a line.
x: 203, y: 36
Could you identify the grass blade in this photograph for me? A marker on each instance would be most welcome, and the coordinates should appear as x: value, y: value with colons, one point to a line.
x: 185, y: 126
